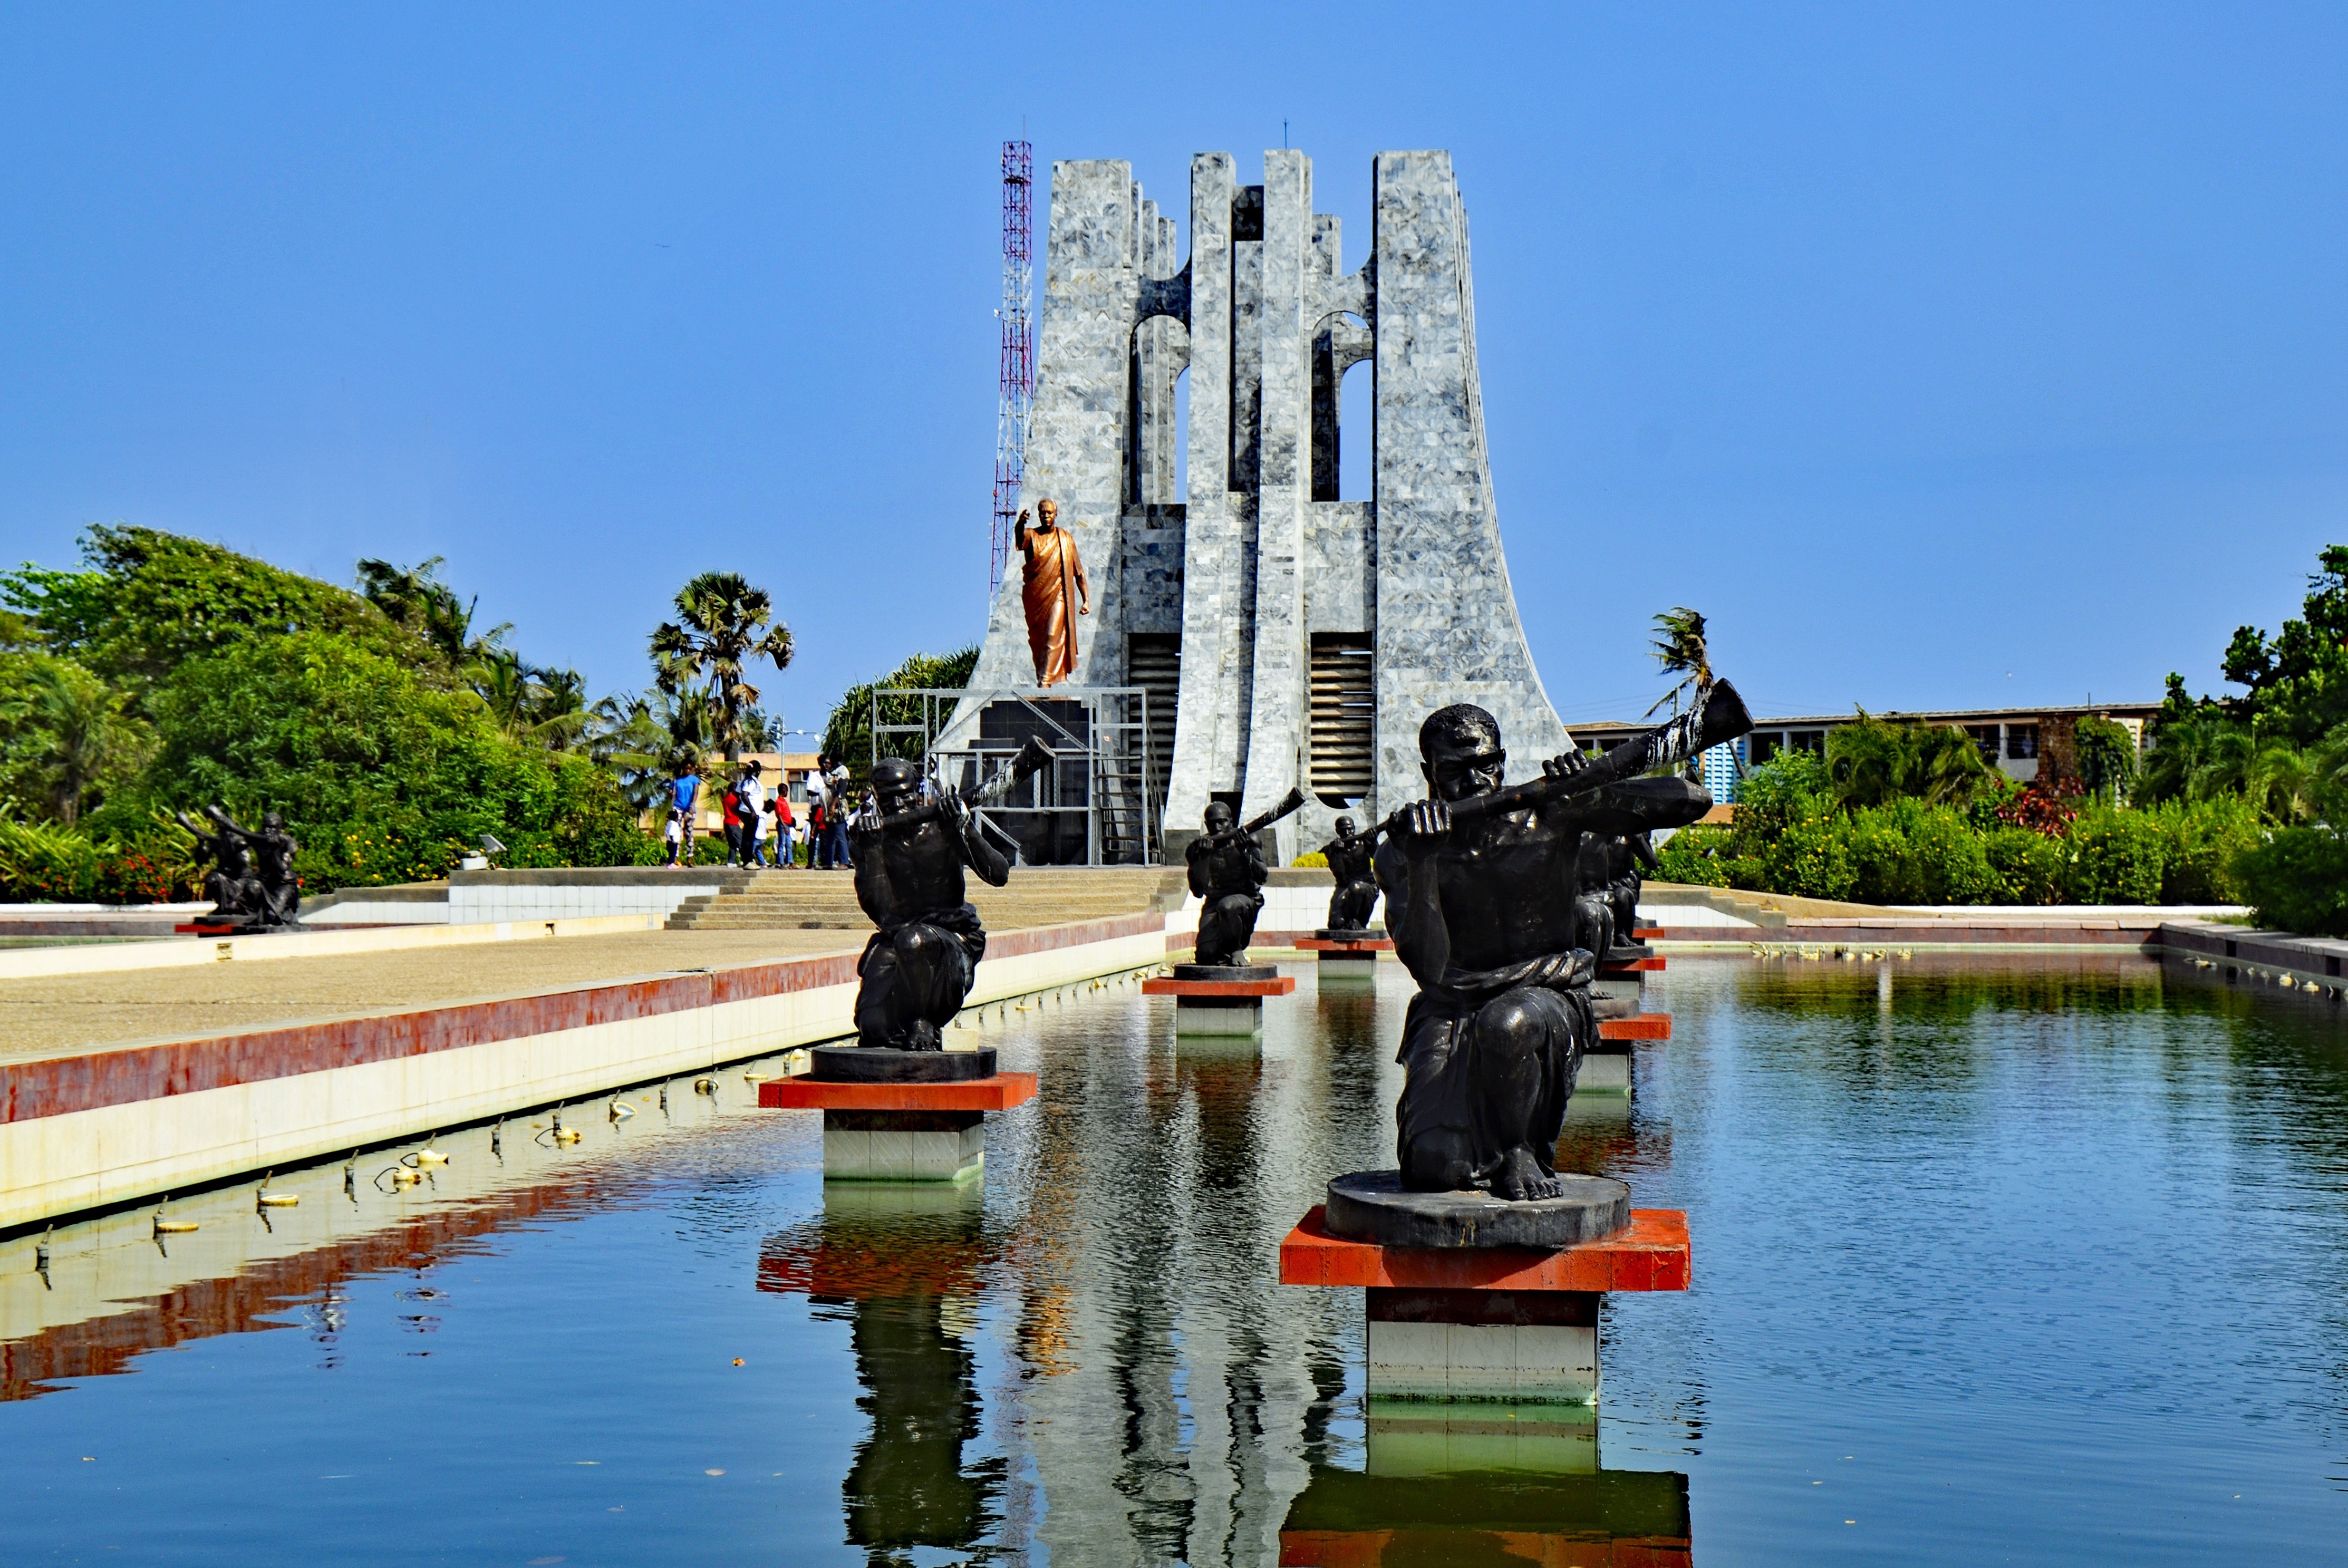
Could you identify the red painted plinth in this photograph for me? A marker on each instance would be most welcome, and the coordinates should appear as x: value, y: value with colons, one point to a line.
x: 1646, y: 933
x: 1279, y: 985
x: 1652, y: 1255
x: 1324, y: 944
x: 801, y: 1092
x: 1638, y: 1026
x: 203, y: 928
x: 1632, y: 966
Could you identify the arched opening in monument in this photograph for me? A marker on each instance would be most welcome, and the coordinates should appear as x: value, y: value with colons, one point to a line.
x: 1355, y: 472
x: 1155, y: 402
x: 1339, y: 342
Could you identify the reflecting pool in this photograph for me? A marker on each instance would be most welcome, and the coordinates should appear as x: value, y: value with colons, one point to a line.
x: 1996, y: 1260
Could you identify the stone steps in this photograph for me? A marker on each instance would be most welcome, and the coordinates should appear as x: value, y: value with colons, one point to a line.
x: 797, y: 900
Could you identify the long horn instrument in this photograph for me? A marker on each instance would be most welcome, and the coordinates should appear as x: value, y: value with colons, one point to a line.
x: 1722, y: 717
x: 1033, y: 758
x: 1291, y: 803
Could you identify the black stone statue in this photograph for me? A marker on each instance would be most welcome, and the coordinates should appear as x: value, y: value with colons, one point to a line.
x: 1613, y: 866
x: 1484, y: 913
x: 917, y: 969
x: 246, y: 898
x: 1226, y: 872
x: 1350, y: 855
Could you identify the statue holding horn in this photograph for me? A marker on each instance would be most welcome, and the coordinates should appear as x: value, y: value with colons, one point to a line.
x: 1480, y: 885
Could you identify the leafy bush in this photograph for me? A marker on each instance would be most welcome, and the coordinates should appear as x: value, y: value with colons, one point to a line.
x: 42, y: 863
x: 2011, y: 845
x: 2298, y: 881
x: 1810, y: 859
x: 45, y: 863
x: 1700, y: 856
x: 2025, y: 866
x: 1872, y: 763
x: 2115, y: 858
x: 848, y: 733
x: 2204, y: 841
x: 1909, y: 852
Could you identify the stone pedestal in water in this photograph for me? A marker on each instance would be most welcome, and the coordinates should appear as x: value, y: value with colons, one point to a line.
x: 900, y: 1116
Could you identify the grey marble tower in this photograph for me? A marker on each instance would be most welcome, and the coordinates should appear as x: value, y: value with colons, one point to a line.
x: 1303, y: 636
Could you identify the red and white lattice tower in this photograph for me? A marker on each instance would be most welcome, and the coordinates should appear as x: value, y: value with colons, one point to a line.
x: 1017, y: 392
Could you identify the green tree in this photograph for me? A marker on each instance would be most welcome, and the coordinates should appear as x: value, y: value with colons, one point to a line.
x: 721, y: 627
x: 2296, y: 682
x: 382, y: 777
x: 147, y: 601
x: 848, y: 733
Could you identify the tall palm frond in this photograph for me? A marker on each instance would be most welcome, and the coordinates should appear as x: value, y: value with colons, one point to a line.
x: 721, y: 627
x: 1679, y: 647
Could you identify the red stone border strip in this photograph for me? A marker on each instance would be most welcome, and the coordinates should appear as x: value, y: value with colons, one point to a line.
x: 123, y: 1075
x: 1280, y: 985
x: 1638, y: 1026
x: 1652, y: 1255
x: 800, y: 1092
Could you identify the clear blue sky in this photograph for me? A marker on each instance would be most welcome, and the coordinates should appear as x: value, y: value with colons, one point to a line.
x: 1957, y: 356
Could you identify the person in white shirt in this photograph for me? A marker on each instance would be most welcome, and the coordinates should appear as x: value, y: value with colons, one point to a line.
x: 753, y: 796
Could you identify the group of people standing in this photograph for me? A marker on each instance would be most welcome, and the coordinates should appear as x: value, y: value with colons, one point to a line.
x: 751, y: 816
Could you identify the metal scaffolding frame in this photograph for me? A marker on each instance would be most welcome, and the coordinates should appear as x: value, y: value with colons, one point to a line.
x: 1102, y: 770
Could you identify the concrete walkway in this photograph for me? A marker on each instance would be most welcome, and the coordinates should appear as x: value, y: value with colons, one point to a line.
x: 65, y: 1014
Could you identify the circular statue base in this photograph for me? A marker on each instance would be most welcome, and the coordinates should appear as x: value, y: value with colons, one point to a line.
x: 1226, y: 972
x: 876, y: 1064
x: 1373, y: 1206
x: 1352, y: 934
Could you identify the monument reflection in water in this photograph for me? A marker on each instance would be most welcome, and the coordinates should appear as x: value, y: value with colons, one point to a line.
x: 1198, y: 1412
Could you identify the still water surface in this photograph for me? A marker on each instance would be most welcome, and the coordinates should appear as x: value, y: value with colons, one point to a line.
x: 2027, y: 1261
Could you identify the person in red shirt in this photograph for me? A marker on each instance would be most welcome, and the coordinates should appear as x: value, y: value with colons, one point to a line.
x: 784, y: 823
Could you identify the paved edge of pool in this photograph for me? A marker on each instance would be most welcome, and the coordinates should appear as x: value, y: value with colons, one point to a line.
x: 91, y: 1130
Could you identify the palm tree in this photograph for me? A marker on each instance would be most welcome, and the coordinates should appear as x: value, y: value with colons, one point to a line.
x: 2226, y: 768
x: 417, y: 598
x: 88, y: 736
x: 628, y: 739
x: 1944, y: 765
x: 1871, y: 762
x: 2285, y: 782
x: 2181, y: 750
x: 1679, y: 647
x: 720, y: 627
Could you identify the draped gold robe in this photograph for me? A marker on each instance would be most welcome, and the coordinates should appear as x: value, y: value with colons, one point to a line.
x: 1049, y: 591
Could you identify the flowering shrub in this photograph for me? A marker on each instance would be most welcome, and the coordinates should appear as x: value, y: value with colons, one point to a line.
x: 2018, y: 845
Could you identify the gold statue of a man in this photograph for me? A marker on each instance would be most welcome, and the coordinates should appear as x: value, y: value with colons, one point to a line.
x: 1054, y: 579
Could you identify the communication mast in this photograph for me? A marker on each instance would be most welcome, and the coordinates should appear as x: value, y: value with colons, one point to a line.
x: 1016, y: 393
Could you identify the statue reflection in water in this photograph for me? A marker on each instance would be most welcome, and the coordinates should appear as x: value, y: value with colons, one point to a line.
x: 902, y: 1264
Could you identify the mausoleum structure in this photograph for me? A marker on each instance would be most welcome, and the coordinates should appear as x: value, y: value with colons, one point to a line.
x: 1300, y: 635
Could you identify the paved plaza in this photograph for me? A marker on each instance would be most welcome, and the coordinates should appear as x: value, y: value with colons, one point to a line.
x: 59, y: 1015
